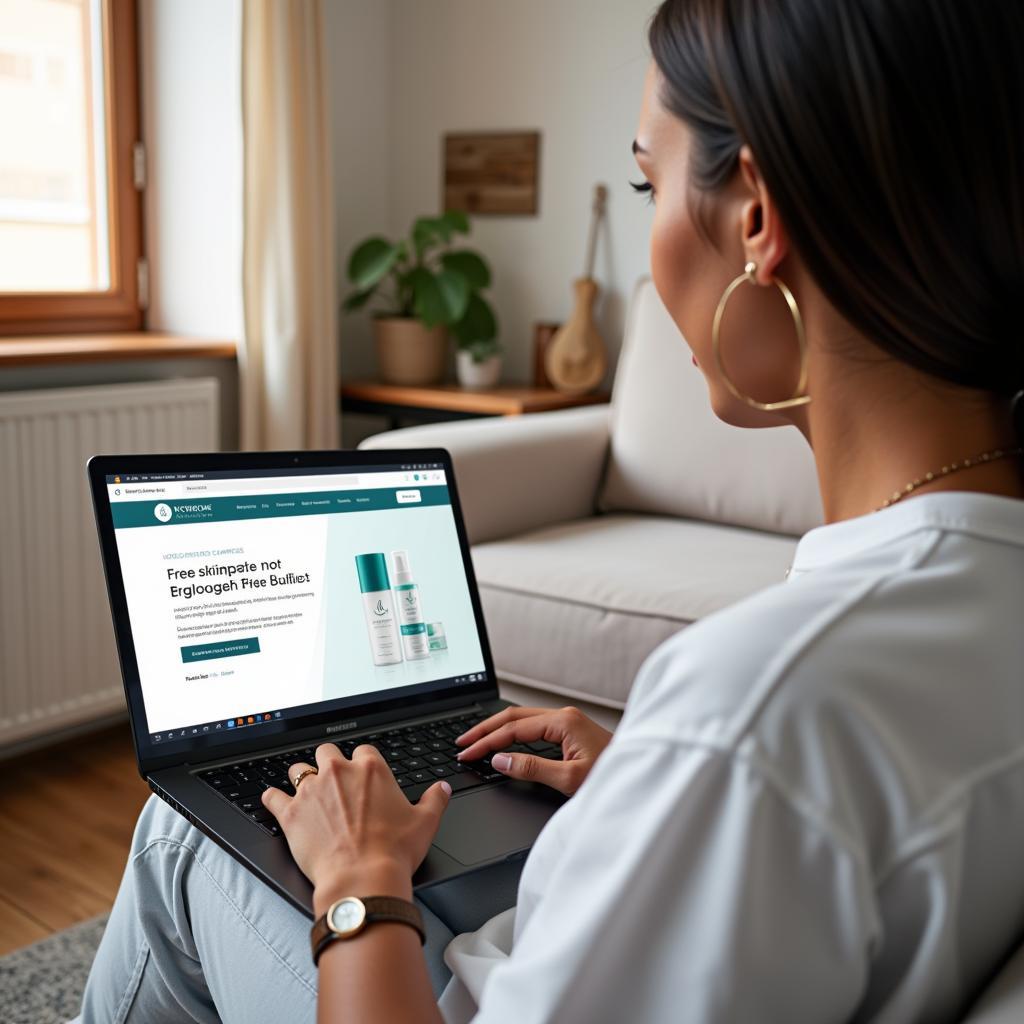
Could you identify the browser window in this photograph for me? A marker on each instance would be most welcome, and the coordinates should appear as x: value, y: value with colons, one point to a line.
x: 255, y: 597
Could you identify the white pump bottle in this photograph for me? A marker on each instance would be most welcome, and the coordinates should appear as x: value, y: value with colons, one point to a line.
x: 413, y: 630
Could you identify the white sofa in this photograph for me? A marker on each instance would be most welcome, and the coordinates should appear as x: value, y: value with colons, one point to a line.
x: 598, y: 532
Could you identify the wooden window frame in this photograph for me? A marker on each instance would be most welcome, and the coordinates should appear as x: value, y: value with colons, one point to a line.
x: 116, y: 308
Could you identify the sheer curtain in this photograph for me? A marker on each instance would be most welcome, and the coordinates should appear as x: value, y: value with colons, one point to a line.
x: 289, y: 361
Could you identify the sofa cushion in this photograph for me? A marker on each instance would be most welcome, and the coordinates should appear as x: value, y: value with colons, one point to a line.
x: 575, y: 608
x: 671, y: 455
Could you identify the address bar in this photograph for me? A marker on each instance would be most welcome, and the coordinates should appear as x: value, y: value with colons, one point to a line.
x: 179, y: 489
x: 266, y: 483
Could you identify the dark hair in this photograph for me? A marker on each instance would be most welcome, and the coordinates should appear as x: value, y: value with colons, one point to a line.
x: 891, y: 136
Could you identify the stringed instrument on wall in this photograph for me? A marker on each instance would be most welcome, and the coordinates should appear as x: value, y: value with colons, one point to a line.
x: 577, y: 358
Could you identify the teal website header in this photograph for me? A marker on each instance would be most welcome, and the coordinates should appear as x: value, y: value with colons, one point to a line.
x: 182, y: 511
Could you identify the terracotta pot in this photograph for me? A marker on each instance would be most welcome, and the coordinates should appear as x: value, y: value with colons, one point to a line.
x: 472, y: 374
x: 409, y: 353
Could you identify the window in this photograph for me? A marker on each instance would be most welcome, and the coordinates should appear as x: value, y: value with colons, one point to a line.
x: 69, y: 205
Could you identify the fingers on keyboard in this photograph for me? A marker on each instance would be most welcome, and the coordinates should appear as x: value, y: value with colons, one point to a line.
x: 417, y: 755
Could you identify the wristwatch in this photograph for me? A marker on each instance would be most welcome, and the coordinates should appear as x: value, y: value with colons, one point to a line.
x: 348, y: 916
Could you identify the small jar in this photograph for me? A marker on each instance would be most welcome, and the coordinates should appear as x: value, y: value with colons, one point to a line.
x: 436, y: 639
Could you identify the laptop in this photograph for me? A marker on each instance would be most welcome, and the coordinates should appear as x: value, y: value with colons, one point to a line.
x: 265, y: 603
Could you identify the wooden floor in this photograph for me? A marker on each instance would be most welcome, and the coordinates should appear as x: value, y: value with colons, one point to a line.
x: 67, y: 814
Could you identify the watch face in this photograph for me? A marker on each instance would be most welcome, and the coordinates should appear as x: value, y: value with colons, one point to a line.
x: 347, y: 915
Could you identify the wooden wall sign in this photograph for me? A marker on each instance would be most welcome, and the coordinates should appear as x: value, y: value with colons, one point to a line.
x: 491, y: 172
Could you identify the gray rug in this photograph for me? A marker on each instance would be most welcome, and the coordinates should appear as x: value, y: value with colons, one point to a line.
x: 43, y: 983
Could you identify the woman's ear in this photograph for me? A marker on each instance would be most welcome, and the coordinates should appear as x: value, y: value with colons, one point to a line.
x: 764, y: 238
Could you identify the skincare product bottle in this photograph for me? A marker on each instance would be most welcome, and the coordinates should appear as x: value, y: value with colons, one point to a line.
x: 410, y: 615
x: 378, y: 607
x: 436, y: 639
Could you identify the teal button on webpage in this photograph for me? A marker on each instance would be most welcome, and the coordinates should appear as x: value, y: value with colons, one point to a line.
x: 222, y: 649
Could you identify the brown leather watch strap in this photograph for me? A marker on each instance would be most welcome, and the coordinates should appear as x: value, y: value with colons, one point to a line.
x: 378, y: 908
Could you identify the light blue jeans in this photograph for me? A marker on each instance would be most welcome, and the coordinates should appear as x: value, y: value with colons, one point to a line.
x: 194, y: 937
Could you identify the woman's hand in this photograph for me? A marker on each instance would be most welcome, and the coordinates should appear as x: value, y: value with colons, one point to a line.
x: 580, y: 738
x: 350, y: 824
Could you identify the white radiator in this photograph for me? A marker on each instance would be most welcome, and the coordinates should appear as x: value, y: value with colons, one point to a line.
x: 58, y: 663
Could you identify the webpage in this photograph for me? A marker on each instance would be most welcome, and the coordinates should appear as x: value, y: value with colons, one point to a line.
x: 255, y: 598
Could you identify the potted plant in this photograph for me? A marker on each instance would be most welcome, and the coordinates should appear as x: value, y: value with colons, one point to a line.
x: 478, y: 364
x: 429, y: 288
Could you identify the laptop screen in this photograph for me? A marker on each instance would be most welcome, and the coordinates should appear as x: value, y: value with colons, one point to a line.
x: 261, y: 597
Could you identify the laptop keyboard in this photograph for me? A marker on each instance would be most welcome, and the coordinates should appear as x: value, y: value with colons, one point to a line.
x: 418, y: 756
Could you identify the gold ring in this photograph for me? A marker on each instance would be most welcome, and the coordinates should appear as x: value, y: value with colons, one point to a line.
x: 298, y: 778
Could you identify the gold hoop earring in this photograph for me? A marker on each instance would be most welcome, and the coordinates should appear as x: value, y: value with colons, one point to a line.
x: 799, y: 398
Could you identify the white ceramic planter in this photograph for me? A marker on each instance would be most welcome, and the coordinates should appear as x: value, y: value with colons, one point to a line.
x: 472, y: 374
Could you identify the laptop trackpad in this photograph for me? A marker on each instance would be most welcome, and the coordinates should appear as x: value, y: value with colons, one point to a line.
x: 495, y: 822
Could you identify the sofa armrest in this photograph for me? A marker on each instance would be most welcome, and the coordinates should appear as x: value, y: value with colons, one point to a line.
x: 518, y: 473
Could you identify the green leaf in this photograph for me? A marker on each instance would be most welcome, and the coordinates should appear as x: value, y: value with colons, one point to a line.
x: 428, y: 231
x: 456, y: 293
x: 357, y: 299
x: 443, y: 228
x: 457, y: 221
x: 429, y: 302
x: 422, y: 236
x: 370, y: 262
x: 471, y: 266
x: 477, y: 323
x: 481, y: 350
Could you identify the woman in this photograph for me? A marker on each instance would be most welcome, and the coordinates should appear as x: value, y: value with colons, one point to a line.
x: 812, y: 809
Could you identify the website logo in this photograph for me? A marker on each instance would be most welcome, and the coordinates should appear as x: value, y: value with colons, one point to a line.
x: 163, y: 512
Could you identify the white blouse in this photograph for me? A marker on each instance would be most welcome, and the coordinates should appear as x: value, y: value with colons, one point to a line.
x: 813, y: 809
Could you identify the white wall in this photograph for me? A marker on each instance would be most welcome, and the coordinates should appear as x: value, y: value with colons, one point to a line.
x: 403, y: 73
x: 408, y: 71
x: 190, y: 81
